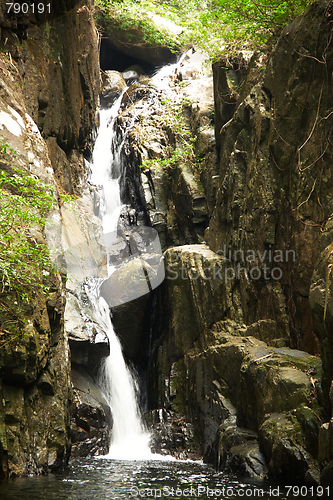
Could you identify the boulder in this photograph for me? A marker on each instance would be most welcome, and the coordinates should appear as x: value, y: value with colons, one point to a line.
x: 171, y: 435
x: 131, y: 323
x: 87, y: 339
x: 236, y: 450
x: 283, y: 444
x: 113, y: 85
x: 133, y: 74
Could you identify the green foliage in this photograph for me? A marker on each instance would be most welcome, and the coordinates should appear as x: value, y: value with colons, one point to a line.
x: 24, y: 204
x: 67, y: 199
x: 249, y: 23
x: 4, y: 147
x: 130, y: 15
x: 215, y: 26
x: 174, y: 122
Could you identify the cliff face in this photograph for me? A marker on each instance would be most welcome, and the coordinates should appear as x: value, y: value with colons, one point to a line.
x: 275, y: 183
x: 49, y: 94
x: 248, y: 288
x: 217, y: 341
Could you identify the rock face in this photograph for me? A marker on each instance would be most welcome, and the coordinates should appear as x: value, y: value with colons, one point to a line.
x: 220, y: 331
x: 215, y: 340
x: 269, y: 197
x: 133, y: 42
x: 90, y: 426
x: 157, y: 190
x: 228, y: 383
x: 49, y: 93
x: 230, y: 310
x: 172, y: 435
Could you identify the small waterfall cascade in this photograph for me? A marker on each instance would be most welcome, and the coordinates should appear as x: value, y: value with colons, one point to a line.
x: 129, y: 438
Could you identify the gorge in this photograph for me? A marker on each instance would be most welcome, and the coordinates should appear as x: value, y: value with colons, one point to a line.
x: 230, y: 167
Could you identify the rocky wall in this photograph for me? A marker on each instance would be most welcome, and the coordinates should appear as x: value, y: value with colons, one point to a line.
x: 227, y: 378
x: 49, y: 93
x: 274, y: 192
x: 268, y: 200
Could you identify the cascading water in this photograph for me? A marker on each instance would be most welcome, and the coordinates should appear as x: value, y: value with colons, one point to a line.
x: 129, y: 438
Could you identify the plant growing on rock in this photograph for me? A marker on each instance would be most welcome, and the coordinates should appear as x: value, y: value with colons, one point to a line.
x: 182, y: 150
x: 24, y: 203
x: 129, y: 15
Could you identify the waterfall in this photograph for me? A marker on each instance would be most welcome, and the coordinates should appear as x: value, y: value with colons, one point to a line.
x: 77, y: 249
x: 129, y: 438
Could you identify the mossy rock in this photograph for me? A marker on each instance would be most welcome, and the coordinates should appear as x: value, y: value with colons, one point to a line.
x: 283, y: 443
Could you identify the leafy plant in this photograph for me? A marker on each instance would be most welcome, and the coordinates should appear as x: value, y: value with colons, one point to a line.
x: 24, y: 204
x: 174, y: 122
x: 215, y: 26
x: 131, y: 15
x: 4, y: 147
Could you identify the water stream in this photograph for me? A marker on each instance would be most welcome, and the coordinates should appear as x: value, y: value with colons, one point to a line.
x: 129, y: 438
x: 96, y: 479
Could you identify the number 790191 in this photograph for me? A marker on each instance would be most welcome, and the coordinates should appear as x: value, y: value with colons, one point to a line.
x: 24, y: 8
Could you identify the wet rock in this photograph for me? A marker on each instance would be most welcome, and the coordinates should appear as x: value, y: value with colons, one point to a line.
x: 114, y: 84
x: 281, y: 439
x: 136, y: 68
x: 91, y: 421
x: 129, y: 281
x: 247, y: 460
x: 172, y: 198
x: 171, y: 435
x: 132, y: 74
x: 135, y: 92
x: 237, y: 451
x: 131, y: 322
x: 87, y: 339
x: 227, y: 375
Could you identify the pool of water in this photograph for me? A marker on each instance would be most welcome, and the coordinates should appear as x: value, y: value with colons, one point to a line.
x: 105, y: 479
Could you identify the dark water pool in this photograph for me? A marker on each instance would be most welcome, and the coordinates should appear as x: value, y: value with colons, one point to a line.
x: 104, y: 479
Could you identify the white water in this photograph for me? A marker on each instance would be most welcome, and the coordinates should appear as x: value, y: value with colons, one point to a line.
x: 102, y: 164
x: 130, y: 441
